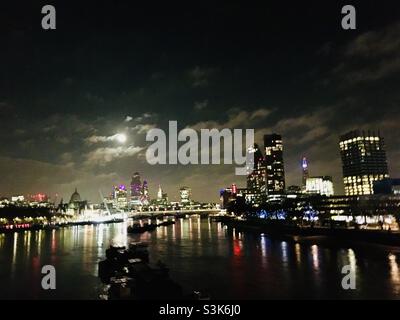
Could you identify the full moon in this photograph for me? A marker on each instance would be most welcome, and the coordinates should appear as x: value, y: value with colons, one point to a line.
x: 121, y: 138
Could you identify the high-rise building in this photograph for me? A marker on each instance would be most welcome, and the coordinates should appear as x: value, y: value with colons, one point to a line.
x: 304, y: 168
x: 275, y: 171
x: 256, y: 180
x: 120, y: 197
x: 363, y: 160
x: 159, y: 193
x: 320, y: 185
x: 226, y: 197
x: 145, y: 193
x: 162, y: 198
x: 136, y: 189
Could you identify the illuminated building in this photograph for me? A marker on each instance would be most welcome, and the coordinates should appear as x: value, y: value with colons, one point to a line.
x: 162, y: 198
x: 145, y: 193
x: 4, y: 202
x: 320, y: 185
x: 159, y: 193
x: 304, y: 167
x: 256, y: 180
x: 76, y: 205
x: 363, y: 161
x: 120, y: 197
x: 294, y: 190
x: 226, y: 197
x: 234, y: 188
x: 249, y: 196
x: 136, y: 190
x: 275, y: 171
x: 39, y: 197
x: 359, y: 209
x: 17, y: 199
x: 185, y: 195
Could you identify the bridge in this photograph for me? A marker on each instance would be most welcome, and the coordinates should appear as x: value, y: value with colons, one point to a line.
x: 173, y: 212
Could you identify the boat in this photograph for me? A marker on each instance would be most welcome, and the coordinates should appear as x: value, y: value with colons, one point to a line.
x: 128, y: 276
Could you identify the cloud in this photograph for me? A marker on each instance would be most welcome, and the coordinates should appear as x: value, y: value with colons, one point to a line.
x: 144, y: 116
x: 49, y: 128
x: 96, y: 139
x: 93, y: 98
x: 260, y: 114
x: 143, y: 128
x: 376, y: 43
x: 128, y: 119
x: 5, y: 107
x: 102, y: 156
x: 200, y: 76
x: 374, y: 72
x: 371, y: 56
x: 200, y: 105
x: 63, y: 140
x: 239, y: 119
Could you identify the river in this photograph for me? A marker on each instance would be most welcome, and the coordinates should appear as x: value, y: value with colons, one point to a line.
x: 202, y: 255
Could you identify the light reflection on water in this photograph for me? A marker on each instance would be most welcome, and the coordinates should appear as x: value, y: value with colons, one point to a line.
x: 394, y: 272
x: 202, y: 255
x: 315, y: 258
x: 298, y: 253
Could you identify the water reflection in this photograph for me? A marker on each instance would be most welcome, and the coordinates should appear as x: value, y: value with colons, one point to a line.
x: 394, y: 271
x: 298, y: 253
x: 198, y: 251
x: 352, y: 260
x: 237, y: 247
x: 284, y: 251
x: 2, y: 236
x: 315, y: 257
x: 14, y: 254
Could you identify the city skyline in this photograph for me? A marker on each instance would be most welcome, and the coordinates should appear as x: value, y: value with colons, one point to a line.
x: 261, y: 175
x: 191, y: 157
x: 66, y: 97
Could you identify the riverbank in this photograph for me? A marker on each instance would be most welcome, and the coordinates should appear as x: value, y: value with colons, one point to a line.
x: 383, y: 237
x: 33, y: 227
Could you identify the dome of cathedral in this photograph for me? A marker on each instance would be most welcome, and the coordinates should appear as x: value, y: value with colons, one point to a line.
x: 76, y: 197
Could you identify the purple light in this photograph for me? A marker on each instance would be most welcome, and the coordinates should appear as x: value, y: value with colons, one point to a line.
x: 305, y: 164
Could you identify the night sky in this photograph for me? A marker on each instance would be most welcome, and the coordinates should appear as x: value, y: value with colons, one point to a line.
x: 115, y: 66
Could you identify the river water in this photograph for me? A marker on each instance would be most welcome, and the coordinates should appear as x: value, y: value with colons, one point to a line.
x: 201, y: 255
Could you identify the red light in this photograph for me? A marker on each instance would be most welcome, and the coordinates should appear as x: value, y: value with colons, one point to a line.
x: 234, y: 189
x: 237, y: 249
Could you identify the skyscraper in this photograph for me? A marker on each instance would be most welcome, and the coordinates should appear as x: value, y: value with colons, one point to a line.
x: 256, y: 180
x: 363, y: 160
x: 304, y: 167
x: 136, y: 189
x: 120, y: 197
x: 162, y: 197
x: 159, y: 193
x: 145, y: 193
x: 275, y: 171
